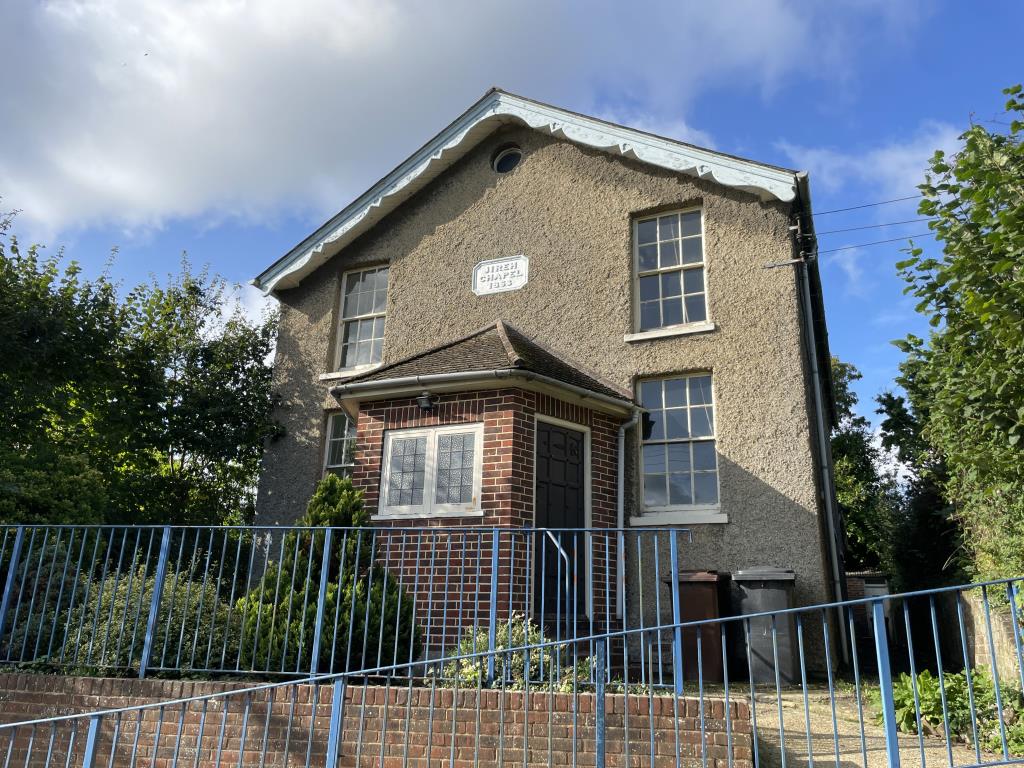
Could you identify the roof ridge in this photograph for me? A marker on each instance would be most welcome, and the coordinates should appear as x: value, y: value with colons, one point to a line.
x: 572, y: 363
x: 625, y: 126
x: 513, y: 354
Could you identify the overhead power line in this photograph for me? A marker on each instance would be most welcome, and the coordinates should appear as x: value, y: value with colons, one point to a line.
x: 868, y: 205
x: 873, y: 226
x: 876, y: 242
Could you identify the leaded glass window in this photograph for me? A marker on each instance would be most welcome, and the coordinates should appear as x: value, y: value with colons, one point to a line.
x: 433, y: 472
x: 454, y: 468
x: 408, y: 468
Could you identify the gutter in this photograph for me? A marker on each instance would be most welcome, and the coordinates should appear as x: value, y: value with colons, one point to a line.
x: 823, y: 443
x: 620, y: 507
x: 436, y: 379
x: 433, y: 380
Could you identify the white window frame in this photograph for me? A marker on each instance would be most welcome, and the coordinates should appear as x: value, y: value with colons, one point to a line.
x: 670, y: 514
x: 343, y: 320
x: 431, y: 508
x: 328, y: 467
x: 696, y: 326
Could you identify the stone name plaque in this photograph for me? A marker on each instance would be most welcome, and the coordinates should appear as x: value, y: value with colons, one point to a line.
x: 498, y: 275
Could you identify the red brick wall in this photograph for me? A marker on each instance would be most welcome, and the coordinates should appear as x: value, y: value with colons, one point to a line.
x: 421, y: 728
x: 450, y: 572
x: 508, y: 417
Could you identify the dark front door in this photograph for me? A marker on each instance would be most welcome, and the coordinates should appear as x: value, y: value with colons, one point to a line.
x: 561, y: 504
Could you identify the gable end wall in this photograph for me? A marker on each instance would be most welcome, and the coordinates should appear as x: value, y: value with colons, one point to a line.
x: 570, y: 210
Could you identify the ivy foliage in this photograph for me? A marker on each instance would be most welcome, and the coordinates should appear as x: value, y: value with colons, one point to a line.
x: 966, y: 380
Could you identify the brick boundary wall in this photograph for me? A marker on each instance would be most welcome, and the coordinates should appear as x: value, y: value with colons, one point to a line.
x: 482, y: 724
x: 1003, y: 639
x: 461, y: 570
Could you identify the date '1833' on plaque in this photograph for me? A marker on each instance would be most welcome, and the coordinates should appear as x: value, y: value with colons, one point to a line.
x: 498, y: 275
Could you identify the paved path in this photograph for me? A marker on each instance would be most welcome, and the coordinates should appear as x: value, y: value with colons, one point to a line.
x: 851, y: 751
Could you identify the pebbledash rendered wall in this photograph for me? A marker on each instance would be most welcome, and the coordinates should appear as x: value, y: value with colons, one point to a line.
x: 570, y: 210
x: 463, y: 729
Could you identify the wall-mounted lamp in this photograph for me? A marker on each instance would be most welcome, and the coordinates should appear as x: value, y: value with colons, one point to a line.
x: 425, y: 402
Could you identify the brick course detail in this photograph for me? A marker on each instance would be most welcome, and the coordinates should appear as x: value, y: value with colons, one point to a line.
x: 419, y: 727
x: 458, y: 563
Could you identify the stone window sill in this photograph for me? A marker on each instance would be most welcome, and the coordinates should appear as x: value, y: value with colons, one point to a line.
x: 427, y: 516
x: 348, y: 373
x: 664, y: 333
x: 693, y: 516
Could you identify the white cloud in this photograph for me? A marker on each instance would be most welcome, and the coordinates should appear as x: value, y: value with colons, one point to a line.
x: 245, y: 300
x: 849, y: 262
x: 137, y: 112
x: 254, y: 303
x: 670, y: 128
x: 893, y: 169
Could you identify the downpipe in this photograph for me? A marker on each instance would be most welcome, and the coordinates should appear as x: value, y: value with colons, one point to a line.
x: 620, y: 509
x: 824, y: 449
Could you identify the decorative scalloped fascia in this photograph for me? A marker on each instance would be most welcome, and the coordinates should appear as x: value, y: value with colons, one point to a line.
x: 499, y: 107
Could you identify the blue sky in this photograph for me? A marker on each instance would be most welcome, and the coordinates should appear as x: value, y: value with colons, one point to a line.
x: 229, y: 129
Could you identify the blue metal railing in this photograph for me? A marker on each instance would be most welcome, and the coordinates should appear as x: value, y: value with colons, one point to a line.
x: 297, y: 601
x: 581, y: 702
x: 442, y: 626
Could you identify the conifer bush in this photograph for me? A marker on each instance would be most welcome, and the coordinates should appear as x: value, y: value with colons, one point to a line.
x: 368, y: 620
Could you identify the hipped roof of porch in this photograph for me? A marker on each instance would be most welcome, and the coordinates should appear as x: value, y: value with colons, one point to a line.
x: 495, y: 351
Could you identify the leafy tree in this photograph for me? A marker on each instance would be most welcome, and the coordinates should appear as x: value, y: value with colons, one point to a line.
x: 865, y: 494
x: 926, y: 535
x: 966, y: 381
x: 210, y: 413
x: 45, y: 486
x: 150, y: 406
x: 370, y: 619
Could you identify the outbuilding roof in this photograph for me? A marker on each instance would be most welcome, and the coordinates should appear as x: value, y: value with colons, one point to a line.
x: 497, y: 348
x: 494, y: 110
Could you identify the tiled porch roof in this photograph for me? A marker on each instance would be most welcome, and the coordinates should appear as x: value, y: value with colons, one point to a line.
x: 495, y: 347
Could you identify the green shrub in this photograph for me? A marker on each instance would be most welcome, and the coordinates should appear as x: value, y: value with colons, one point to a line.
x: 513, y: 667
x: 47, y: 581
x: 958, y: 708
x: 106, y: 632
x: 374, y: 617
x: 42, y: 486
x: 551, y: 667
x: 74, y: 610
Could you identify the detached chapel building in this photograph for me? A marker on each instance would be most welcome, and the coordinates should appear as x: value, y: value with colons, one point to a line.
x: 542, y: 319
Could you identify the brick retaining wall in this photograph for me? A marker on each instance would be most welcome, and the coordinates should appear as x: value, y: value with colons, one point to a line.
x: 488, y: 727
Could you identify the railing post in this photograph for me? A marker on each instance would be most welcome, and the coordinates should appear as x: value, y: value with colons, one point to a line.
x: 492, y: 630
x: 325, y: 571
x: 334, y: 728
x: 599, y: 713
x: 5, y: 604
x: 89, y: 755
x: 154, y: 606
x: 677, y: 640
x: 892, y: 746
